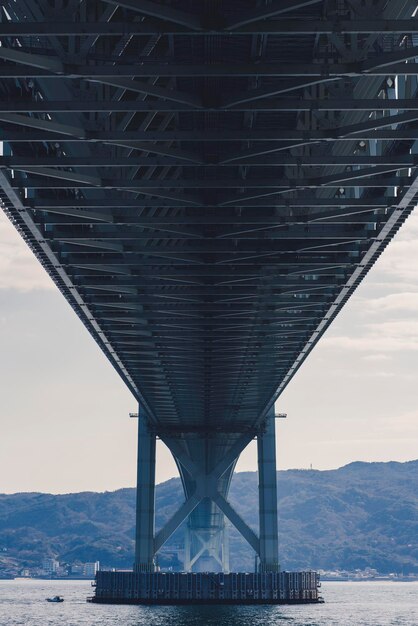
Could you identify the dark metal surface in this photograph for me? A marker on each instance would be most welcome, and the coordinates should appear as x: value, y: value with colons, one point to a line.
x: 208, y: 182
x: 206, y: 588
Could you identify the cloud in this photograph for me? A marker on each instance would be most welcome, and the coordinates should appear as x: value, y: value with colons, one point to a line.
x: 399, y: 261
x: 379, y: 337
x: 405, y: 423
x: 370, y: 344
x: 399, y: 329
x: 381, y: 318
x: 19, y: 269
x: 376, y: 357
x: 404, y: 301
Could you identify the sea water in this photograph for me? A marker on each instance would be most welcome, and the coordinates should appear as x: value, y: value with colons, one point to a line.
x: 22, y: 603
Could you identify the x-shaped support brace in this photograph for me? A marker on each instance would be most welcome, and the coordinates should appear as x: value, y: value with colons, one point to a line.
x: 205, y: 545
x: 207, y: 487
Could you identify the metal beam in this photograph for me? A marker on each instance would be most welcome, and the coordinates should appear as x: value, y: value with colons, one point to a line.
x: 235, y: 519
x: 116, y: 202
x: 278, y: 7
x: 43, y: 125
x: 38, y: 61
x: 274, y: 160
x: 376, y: 66
x: 153, y: 28
x: 175, y: 521
x: 147, y: 89
x: 278, y: 135
x: 160, y: 11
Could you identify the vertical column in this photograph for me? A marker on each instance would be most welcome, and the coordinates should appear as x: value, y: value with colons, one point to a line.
x: 267, y: 490
x: 145, y: 498
x: 225, y: 549
x: 187, y: 549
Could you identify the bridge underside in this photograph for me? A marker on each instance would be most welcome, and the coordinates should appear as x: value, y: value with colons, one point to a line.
x: 207, y: 183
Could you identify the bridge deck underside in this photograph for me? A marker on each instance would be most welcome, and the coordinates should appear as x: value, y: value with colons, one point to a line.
x: 207, y: 182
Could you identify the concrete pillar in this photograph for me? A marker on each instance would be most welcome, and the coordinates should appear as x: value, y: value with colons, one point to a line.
x: 187, y: 549
x: 145, y: 498
x: 225, y: 549
x: 267, y: 490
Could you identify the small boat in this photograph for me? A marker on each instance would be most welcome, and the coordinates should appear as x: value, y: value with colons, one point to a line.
x: 55, y: 599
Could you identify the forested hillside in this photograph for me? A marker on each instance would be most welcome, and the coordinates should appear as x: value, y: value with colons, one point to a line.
x: 363, y: 514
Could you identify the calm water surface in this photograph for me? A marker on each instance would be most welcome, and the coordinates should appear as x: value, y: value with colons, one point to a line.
x: 22, y: 603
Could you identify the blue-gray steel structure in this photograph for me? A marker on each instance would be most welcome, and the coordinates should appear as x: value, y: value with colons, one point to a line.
x: 207, y: 183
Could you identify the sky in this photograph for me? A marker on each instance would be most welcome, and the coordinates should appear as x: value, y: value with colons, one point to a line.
x: 64, y: 412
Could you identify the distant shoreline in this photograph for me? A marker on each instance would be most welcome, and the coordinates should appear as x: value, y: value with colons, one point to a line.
x: 64, y: 578
x: 382, y: 579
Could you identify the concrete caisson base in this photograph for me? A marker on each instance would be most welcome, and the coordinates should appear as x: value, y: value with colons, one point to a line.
x: 206, y: 588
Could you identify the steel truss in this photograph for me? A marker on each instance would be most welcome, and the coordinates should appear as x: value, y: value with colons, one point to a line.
x: 207, y: 183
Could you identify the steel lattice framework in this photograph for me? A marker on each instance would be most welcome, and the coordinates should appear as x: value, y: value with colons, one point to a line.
x: 207, y: 183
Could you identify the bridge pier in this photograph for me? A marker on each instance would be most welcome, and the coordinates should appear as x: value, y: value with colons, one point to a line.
x: 206, y: 506
x: 206, y: 478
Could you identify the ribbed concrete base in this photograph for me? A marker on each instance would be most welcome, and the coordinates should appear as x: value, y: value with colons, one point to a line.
x: 206, y: 588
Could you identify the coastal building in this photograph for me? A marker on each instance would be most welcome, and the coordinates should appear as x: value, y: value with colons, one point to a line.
x: 50, y: 566
x: 90, y: 569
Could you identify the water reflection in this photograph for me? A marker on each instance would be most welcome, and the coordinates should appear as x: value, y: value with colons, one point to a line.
x: 22, y: 603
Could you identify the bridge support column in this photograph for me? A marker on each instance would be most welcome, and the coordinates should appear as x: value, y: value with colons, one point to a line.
x: 187, y: 550
x: 267, y: 490
x: 204, y: 543
x: 225, y: 549
x: 206, y: 503
x: 145, y: 498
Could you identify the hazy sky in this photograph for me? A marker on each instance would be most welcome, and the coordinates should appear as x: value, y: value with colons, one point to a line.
x: 64, y: 410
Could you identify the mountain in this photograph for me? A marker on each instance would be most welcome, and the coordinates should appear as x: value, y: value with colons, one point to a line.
x: 361, y: 515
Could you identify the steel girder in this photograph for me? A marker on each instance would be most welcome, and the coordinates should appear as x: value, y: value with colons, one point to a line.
x: 207, y: 183
x: 337, y: 26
